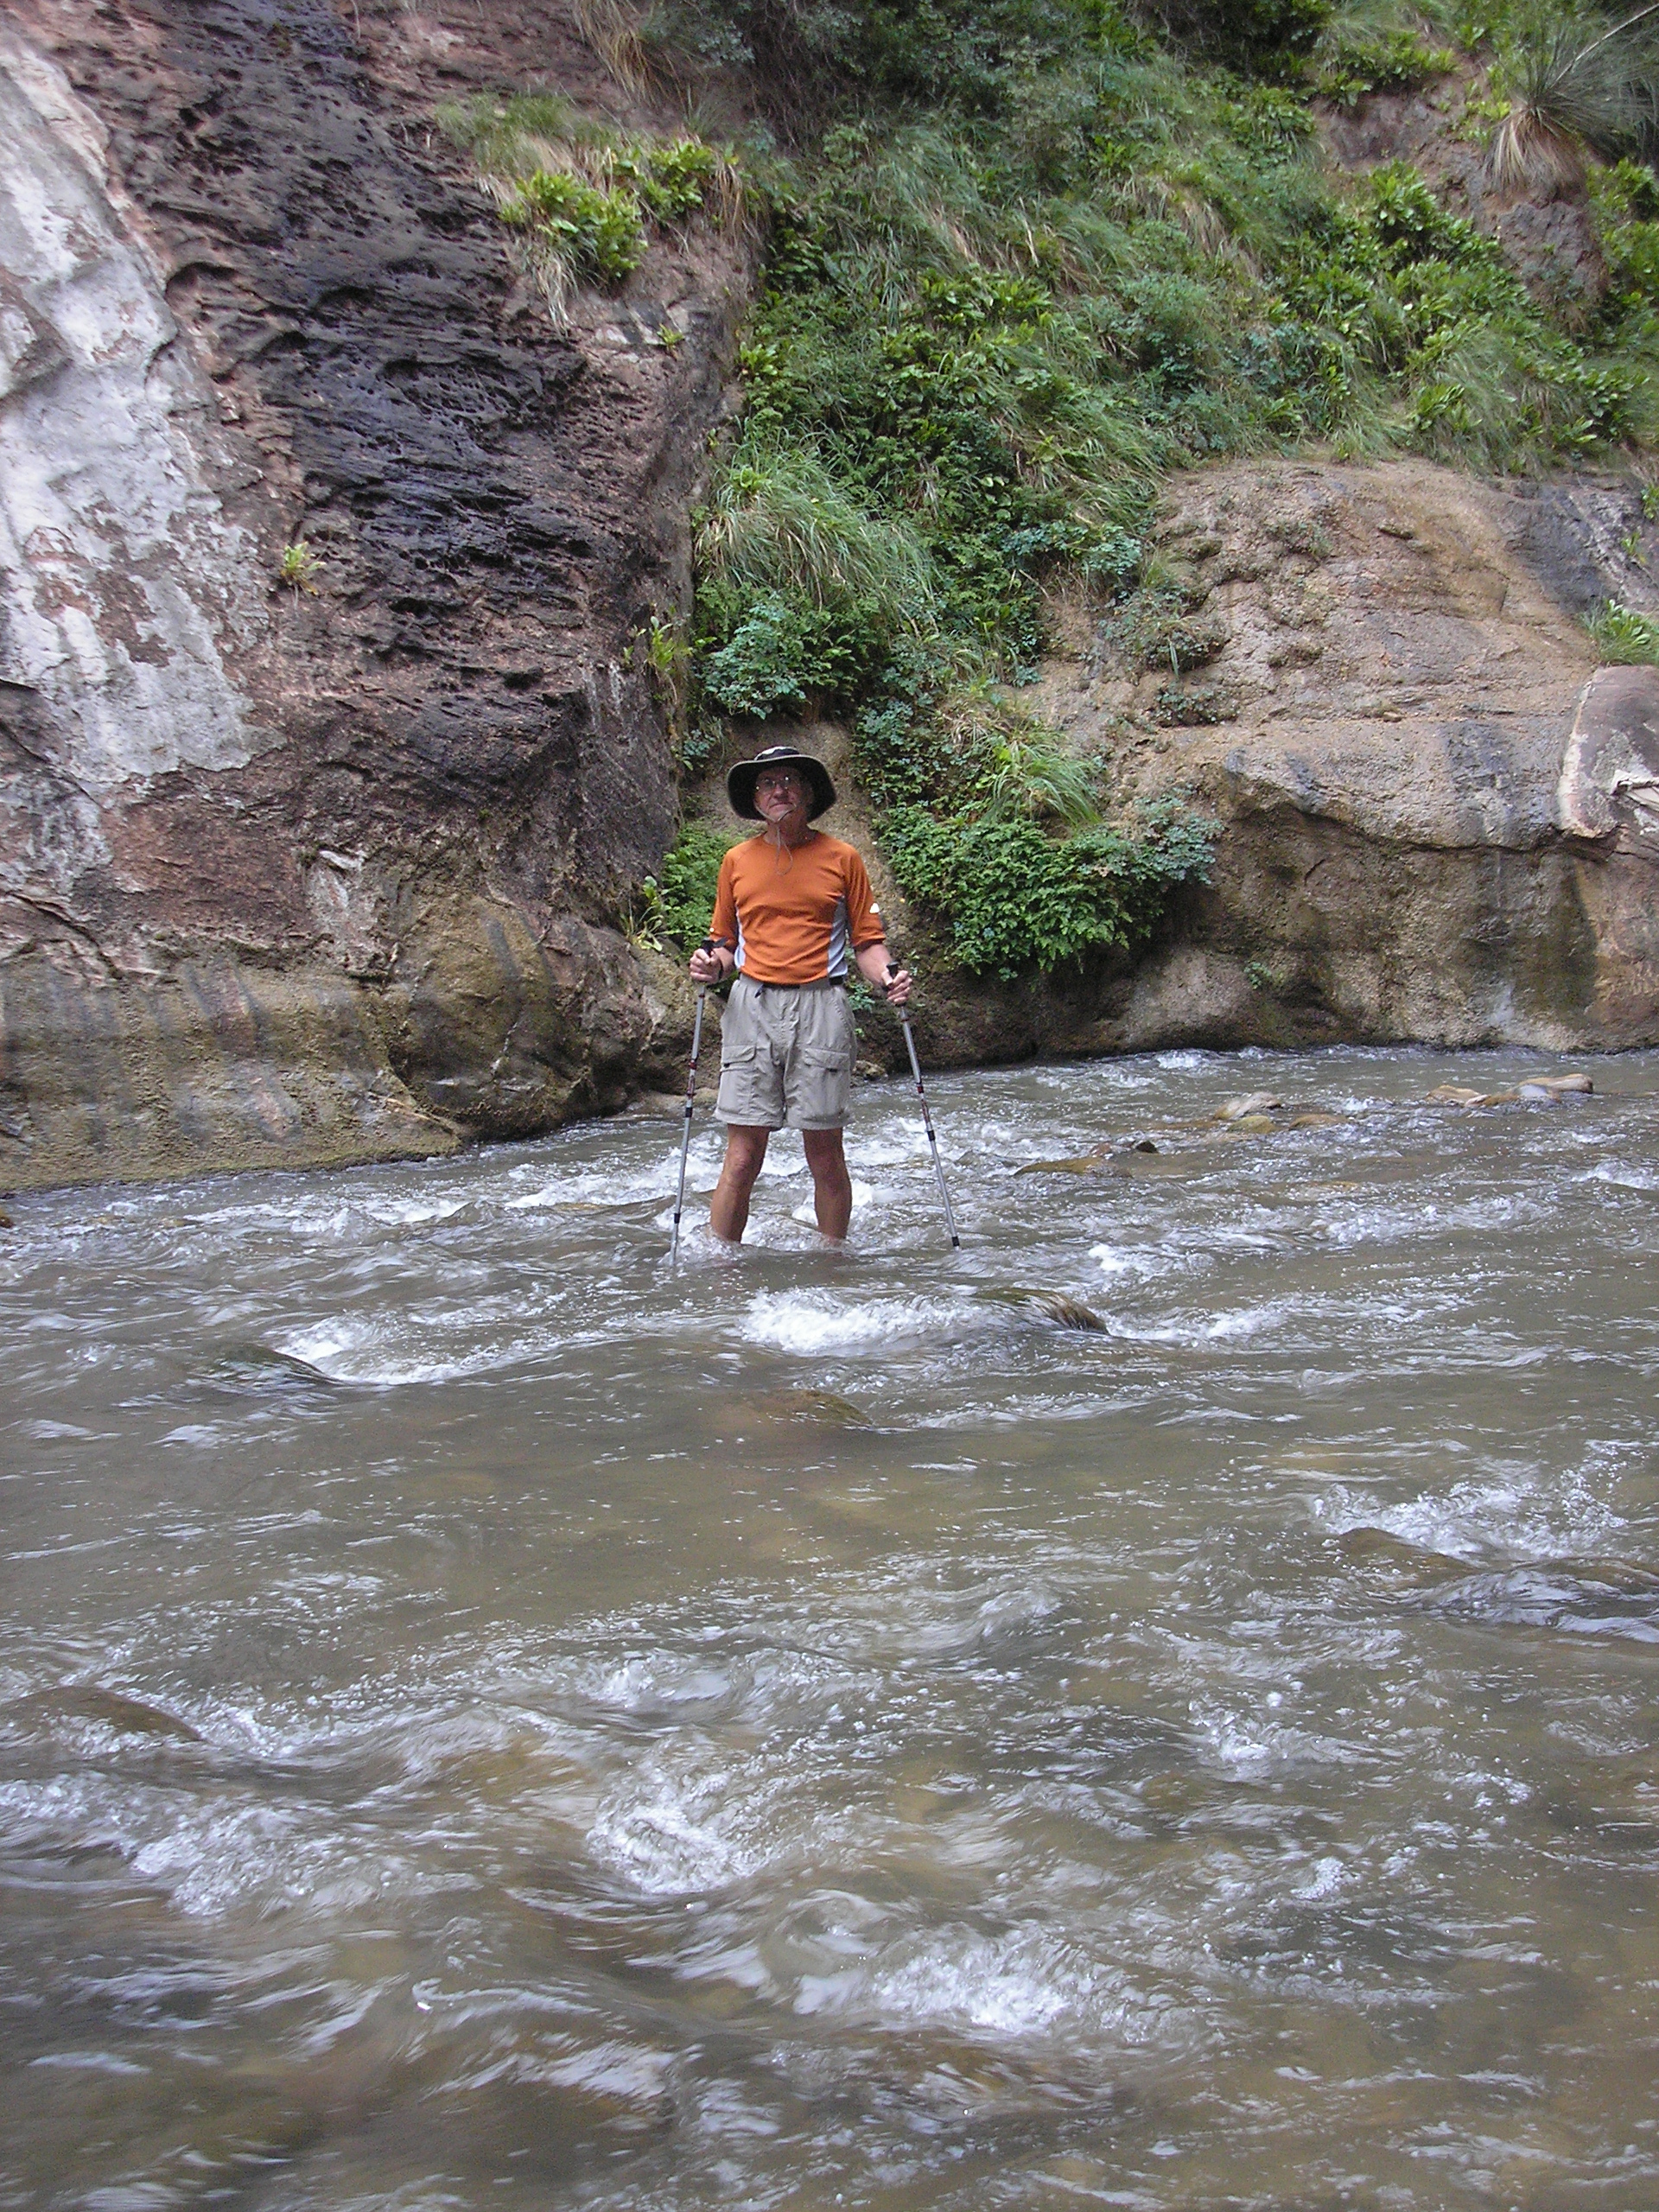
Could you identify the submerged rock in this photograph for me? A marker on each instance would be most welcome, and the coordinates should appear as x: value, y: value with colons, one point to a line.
x: 1255, y: 1103
x: 823, y: 1406
x: 1409, y: 1563
x: 114, y: 1709
x: 256, y: 1367
x: 1084, y: 1164
x: 1054, y: 1305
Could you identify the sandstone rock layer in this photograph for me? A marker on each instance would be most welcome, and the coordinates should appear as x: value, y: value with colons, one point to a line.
x: 330, y: 867
x: 1438, y: 815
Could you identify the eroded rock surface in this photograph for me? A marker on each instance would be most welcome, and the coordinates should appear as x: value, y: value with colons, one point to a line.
x: 1434, y: 830
x: 330, y: 869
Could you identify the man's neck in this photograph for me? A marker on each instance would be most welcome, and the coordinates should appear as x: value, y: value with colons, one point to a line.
x: 790, y: 834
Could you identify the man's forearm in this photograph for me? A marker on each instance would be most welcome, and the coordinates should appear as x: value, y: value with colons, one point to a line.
x: 873, y: 962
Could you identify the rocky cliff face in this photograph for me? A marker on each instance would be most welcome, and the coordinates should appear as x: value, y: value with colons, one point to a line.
x: 1437, y: 824
x: 331, y: 869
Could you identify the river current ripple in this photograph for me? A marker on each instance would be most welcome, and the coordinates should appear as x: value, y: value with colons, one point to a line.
x: 484, y: 1721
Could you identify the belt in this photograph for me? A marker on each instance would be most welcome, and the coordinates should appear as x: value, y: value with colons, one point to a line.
x: 818, y: 983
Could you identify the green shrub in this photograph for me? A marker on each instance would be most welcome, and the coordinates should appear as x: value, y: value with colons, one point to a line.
x: 1015, y: 899
x: 593, y: 233
x: 786, y: 655
x: 1353, y: 64
x: 686, y: 883
x: 673, y: 179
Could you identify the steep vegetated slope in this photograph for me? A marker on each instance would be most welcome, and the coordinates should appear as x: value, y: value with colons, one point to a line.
x: 1034, y: 272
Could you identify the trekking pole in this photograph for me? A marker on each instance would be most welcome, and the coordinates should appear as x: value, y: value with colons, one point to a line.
x: 691, y: 1101
x: 927, y: 1118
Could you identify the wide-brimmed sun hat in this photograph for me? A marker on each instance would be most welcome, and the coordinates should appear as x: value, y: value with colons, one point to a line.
x: 741, y: 781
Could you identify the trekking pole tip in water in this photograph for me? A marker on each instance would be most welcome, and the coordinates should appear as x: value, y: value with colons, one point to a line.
x: 691, y: 1106
x: 927, y: 1118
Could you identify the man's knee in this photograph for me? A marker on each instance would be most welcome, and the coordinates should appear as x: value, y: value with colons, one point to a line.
x: 825, y: 1151
x: 746, y: 1151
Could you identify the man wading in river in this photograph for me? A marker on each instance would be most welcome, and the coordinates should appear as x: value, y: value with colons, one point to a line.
x: 791, y: 905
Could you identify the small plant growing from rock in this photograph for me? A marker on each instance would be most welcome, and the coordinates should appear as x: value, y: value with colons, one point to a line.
x: 1625, y: 637
x: 298, y: 567
x: 588, y: 231
x: 1352, y: 64
x: 643, y: 922
x: 582, y: 196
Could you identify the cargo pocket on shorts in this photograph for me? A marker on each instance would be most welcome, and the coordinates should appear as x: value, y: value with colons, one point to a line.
x: 822, y: 1088
x: 738, y: 1098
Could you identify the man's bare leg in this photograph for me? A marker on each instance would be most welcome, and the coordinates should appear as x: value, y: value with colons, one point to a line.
x: 832, y: 1186
x: 728, y: 1210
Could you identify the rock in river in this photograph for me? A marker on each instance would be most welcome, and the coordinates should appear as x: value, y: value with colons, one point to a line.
x: 1245, y: 1109
x: 1052, y: 1305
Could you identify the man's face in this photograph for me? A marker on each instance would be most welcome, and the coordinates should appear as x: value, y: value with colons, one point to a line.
x: 778, y: 792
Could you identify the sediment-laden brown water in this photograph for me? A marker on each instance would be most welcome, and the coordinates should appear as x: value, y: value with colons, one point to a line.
x: 485, y: 1721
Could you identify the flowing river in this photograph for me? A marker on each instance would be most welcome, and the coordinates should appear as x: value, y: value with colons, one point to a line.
x: 488, y: 1721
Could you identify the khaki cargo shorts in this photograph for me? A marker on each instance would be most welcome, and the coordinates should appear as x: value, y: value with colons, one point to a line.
x: 785, y: 1056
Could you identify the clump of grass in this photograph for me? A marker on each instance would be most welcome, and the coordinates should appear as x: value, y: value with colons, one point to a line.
x: 1579, y: 83
x: 298, y: 567
x: 779, y: 521
x: 1624, y: 636
x: 582, y: 194
x: 1030, y: 776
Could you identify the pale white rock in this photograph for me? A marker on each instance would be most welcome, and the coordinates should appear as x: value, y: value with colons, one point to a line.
x: 1257, y: 1102
x: 1609, y: 773
x: 126, y: 586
